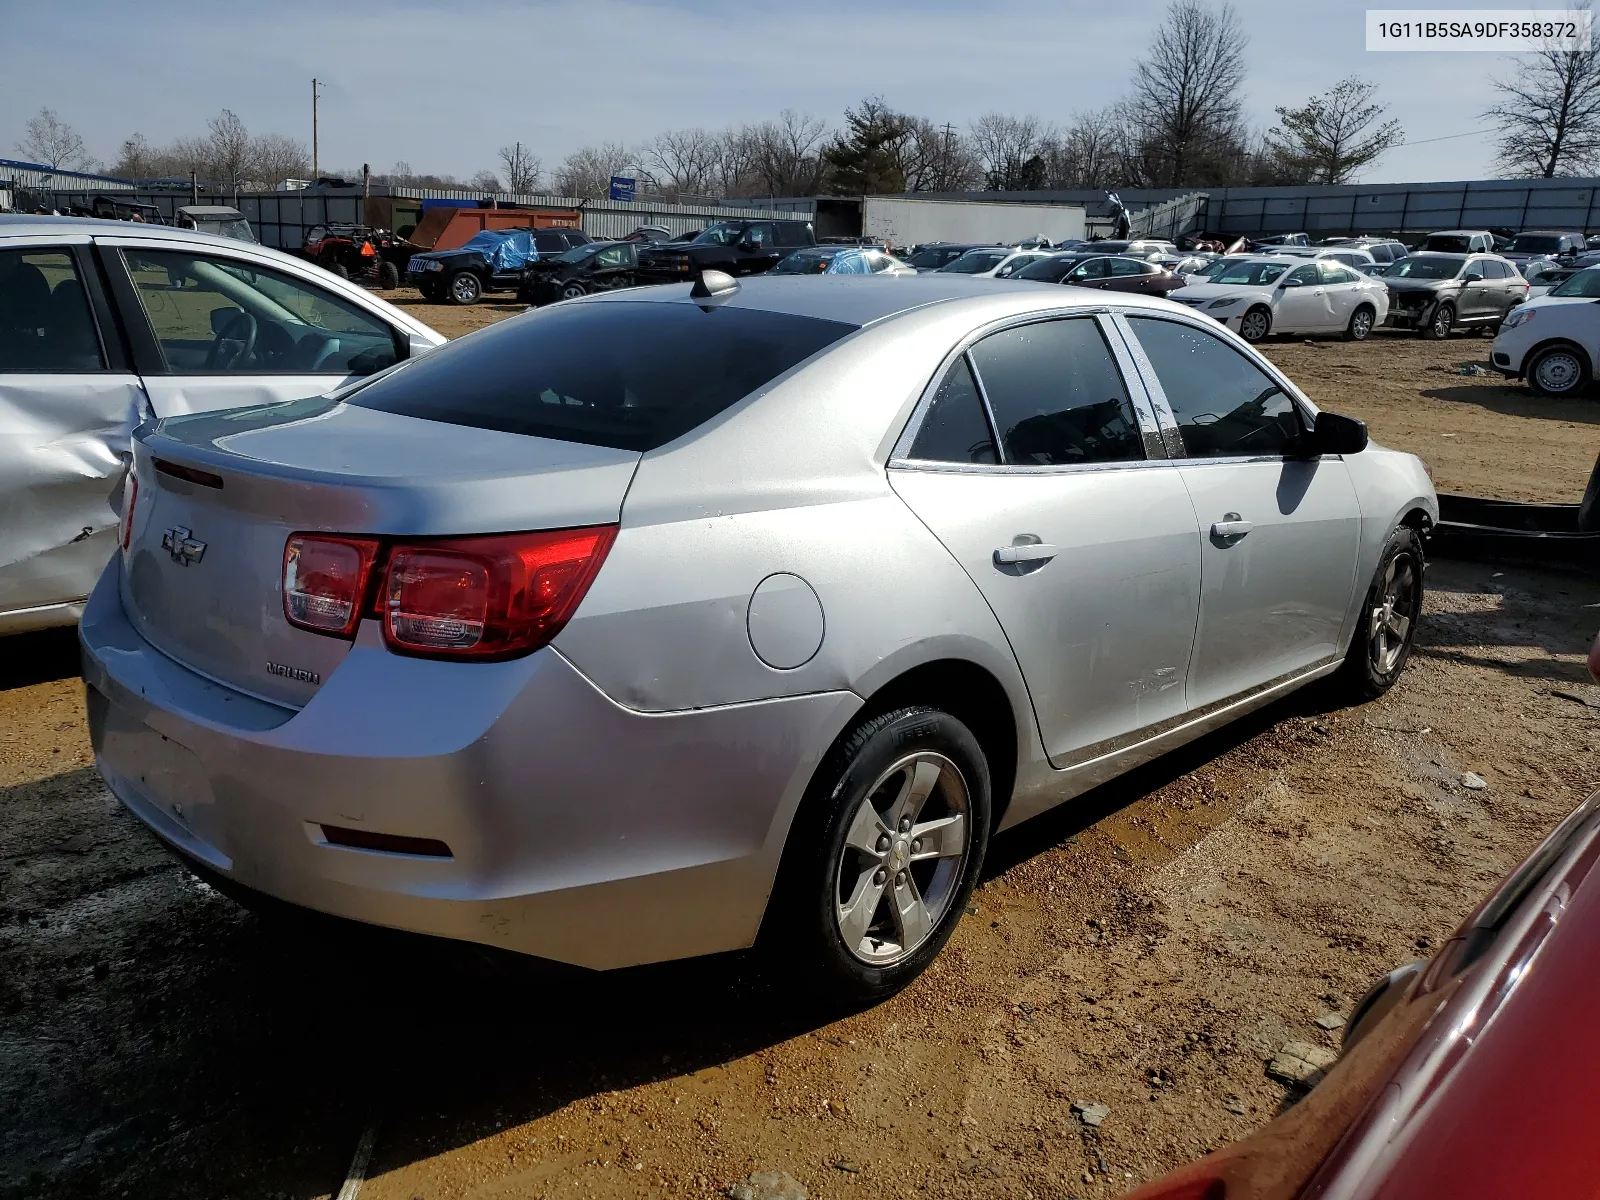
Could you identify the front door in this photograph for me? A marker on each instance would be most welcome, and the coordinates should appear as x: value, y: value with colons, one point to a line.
x: 216, y: 331
x: 1302, y: 302
x: 68, y: 405
x: 1278, y: 534
x: 1084, y: 546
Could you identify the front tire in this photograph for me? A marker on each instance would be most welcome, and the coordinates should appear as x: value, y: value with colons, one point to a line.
x: 1444, y: 319
x: 883, y: 855
x: 573, y: 291
x: 1558, y: 371
x: 1360, y: 327
x: 1255, y: 325
x: 464, y: 288
x: 1387, y: 627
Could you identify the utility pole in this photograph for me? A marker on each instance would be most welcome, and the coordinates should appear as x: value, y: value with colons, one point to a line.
x: 316, y: 158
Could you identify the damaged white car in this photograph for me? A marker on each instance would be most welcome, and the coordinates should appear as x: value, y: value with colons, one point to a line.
x: 104, y: 325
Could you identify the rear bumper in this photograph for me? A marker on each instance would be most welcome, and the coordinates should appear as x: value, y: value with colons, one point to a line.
x: 578, y: 830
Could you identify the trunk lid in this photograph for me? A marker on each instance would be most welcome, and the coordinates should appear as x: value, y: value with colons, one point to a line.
x: 220, y: 494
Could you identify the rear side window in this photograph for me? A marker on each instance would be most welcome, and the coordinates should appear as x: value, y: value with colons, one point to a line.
x: 550, y: 243
x: 1128, y: 266
x: 45, y: 324
x: 1224, y: 404
x: 955, y: 429
x: 628, y: 375
x: 1057, y: 396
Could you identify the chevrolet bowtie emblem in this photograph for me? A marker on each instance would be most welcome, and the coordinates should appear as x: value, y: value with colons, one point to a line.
x: 184, y: 549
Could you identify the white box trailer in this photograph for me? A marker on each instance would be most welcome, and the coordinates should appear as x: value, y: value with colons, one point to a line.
x: 904, y: 221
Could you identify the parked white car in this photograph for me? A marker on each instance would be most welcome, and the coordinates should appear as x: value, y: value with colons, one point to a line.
x: 1553, y: 342
x: 1265, y: 294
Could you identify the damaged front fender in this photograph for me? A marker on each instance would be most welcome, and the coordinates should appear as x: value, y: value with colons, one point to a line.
x: 64, y: 443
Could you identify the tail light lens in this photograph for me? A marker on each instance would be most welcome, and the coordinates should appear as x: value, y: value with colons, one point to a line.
x: 325, y: 582
x: 127, y: 511
x: 480, y: 598
x: 488, y: 597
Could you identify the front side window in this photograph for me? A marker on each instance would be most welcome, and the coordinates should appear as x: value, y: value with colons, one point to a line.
x: 1095, y: 268
x: 667, y: 368
x: 1056, y: 395
x: 45, y: 322
x: 1307, y: 274
x: 612, y: 257
x: 223, y: 315
x: 1224, y: 404
x: 955, y: 429
x: 758, y: 235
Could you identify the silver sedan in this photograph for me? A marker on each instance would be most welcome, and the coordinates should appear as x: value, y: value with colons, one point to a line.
x: 670, y: 622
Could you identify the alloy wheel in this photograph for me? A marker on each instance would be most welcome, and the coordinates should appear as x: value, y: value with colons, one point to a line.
x: 572, y: 291
x: 903, y: 858
x: 1557, y: 372
x: 1254, y: 325
x: 1393, y: 613
x: 1361, y: 325
x: 464, y: 289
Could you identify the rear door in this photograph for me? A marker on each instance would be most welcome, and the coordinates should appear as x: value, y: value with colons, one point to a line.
x: 1128, y: 275
x: 1342, y: 287
x: 1039, y: 466
x: 68, y: 403
x: 1279, y: 534
x: 211, y: 330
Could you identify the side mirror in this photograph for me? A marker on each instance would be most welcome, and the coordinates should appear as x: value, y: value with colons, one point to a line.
x: 1289, y: 283
x: 416, y: 345
x: 1472, y: 277
x: 1336, y: 434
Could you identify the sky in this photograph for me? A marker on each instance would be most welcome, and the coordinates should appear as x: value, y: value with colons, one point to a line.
x: 443, y: 85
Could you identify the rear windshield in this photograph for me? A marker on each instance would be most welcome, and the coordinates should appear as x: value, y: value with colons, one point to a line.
x: 1448, y: 243
x: 1048, y: 270
x: 1536, y: 243
x: 627, y: 375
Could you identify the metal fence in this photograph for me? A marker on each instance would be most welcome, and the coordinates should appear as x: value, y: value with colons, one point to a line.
x: 613, y: 218
x: 41, y: 177
x: 1184, y: 214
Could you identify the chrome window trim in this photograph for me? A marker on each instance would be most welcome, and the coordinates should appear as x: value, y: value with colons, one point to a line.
x: 1139, y: 396
x: 1158, y: 396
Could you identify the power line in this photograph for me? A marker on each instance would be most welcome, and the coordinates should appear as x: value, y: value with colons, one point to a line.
x: 1449, y: 137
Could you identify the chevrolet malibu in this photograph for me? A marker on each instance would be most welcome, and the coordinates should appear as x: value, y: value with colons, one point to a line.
x: 669, y: 622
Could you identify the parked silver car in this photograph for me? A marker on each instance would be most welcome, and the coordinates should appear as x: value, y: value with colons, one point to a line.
x: 104, y: 324
x: 642, y: 625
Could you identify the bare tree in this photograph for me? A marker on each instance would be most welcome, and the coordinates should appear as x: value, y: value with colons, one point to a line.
x: 522, y: 168
x: 587, y: 172
x: 683, y: 162
x: 1008, y: 149
x: 1548, y: 114
x: 1090, y: 152
x: 1186, y: 103
x: 939, y: 158
x: 228, y: 149
x: 1331, y: 137
x: 734, y: 173
x: 485, y: 181
x: 786, y: 154
x: 49, y: 140
x: 136, y: 159
x: 274, y: 158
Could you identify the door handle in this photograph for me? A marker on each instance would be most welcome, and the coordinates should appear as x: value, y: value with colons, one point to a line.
x: 1031, y: 552
x: 1231, y: 528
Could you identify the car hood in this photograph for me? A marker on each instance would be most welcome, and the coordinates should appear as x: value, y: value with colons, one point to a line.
x: 1215, y: 291
x: 450, y: 255
x: 1549, y: 301
x: 1417, y: 285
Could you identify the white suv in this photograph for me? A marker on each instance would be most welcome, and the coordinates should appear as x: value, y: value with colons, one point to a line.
x: 1553, y: 341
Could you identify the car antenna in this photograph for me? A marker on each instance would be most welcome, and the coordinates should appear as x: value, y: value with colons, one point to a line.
x: 713, y: 283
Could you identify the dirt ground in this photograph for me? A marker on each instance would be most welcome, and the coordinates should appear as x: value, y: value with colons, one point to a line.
x: 1148, y: 947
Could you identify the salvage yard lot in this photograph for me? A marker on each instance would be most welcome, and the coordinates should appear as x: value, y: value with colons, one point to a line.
x: 1148, y: 948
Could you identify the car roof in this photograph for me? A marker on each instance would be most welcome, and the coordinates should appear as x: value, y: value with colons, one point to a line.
x: 1454, y: 255
x: 1458, y: 232
x: 868, y: 299
x: 24, y: 225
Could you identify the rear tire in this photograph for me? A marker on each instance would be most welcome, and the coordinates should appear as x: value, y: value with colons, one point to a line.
x: 1255, y: 324
x: 1558, y: 371
x: 340, y: 270
x: 874, y: 878
x: 1361, y: 322
x: 1387, y: 627
x: 464, y: 288
x: 1439, y: 326
x: 388, y: 276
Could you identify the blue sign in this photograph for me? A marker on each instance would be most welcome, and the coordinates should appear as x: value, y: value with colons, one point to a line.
x: 622, y: 187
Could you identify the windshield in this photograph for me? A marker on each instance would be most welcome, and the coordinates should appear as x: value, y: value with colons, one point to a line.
x: 665, y: 369
x: 1536, y: 243
x: 807, y: 262
x: 1585, y: 283
x: 974, y: 261
x: 1425, y: 268
x: 1217, y: 266
x: 1048, y: 270
x: 237, y: 228
x: 933, y: 256
x: 1248, y: 274
x: 725, y: 233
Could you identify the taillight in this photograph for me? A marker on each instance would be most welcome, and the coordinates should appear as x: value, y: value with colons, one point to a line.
x: 488, y: 597
x: 127, y: 510
x: 325, y: 582
x: 479, y: 598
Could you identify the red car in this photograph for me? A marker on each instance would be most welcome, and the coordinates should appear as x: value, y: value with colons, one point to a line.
x: 1468, y: 1077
